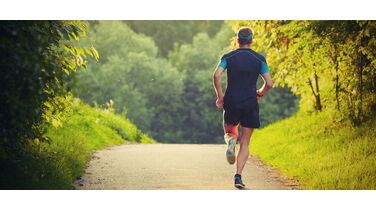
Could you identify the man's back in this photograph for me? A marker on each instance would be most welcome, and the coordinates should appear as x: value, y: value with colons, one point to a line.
x: 243, y: 68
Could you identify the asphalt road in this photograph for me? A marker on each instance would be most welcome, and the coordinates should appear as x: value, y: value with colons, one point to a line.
x: 174, y: 166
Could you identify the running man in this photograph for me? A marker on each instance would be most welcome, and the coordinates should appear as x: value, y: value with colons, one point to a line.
x: 240, y: 102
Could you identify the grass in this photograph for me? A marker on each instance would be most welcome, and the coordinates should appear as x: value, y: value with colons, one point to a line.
x: 319, y: 152
x: 55, y: 165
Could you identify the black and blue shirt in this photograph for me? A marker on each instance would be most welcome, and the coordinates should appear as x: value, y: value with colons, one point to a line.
x: 243, y: 69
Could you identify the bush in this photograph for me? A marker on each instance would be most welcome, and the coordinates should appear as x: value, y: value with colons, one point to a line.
x: 56, y: 164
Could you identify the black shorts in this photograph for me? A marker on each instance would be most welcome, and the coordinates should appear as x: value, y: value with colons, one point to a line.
x: 247, y: 114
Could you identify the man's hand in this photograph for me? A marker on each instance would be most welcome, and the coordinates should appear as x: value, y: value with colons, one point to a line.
x: 258, y: 96
x: 219, y: 103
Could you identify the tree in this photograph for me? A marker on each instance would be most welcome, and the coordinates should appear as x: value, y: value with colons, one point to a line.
x: 37, y: 58
x: 166, y: 34
x: 143, y: 86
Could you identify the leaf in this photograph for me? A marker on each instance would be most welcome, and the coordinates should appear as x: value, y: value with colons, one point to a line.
x: 88, y: 51
x: 66, y: 71
x: 95, y: 53
x: 56, y: 123
x: 65, y: 34
x: 73, y: 35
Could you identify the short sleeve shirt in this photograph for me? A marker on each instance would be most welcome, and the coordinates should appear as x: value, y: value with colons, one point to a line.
x: 264, y: 66
x: 243, y: 66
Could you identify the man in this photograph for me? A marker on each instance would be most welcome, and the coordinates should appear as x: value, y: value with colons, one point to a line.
x: 240, y: 102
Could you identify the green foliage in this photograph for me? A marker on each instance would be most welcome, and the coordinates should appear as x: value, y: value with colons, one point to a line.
x: 320, y: 151
x: 116, y: 38
x: 37, y: 58
x: 56, y: 164
x: 330, y: 64
x: 196, y: 63
x: 167, y: 34
x: 140, y: 84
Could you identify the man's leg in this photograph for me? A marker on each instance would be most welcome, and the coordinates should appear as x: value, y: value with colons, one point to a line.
x: 231, y: 137
x: 244, y: 149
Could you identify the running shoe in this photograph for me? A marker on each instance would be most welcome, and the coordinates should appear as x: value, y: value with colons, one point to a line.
x: 230, y: 153
x: 238, y: 182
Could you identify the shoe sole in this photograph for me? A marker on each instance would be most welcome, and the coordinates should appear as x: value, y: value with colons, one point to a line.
x: 230, y: 154
x: 230, y: 157
x: 239, y: 186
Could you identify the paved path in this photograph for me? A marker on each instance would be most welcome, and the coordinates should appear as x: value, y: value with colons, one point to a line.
x: 173, y: 166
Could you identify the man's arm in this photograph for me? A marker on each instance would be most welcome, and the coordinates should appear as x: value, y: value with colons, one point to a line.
x: 268, y: 84
x: 218, y: 86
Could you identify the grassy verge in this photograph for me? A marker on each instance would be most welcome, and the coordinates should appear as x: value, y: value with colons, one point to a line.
x: 56, y: 164
x: 320, y: 153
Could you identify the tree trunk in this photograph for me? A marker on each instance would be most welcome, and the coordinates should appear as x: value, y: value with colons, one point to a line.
x: 337, y: 80
x: 318, y: 99
x: 315, y: 93
x: 337, y: 91
x: 360, y: 88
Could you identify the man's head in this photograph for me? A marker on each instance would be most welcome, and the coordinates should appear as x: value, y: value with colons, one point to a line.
x: 245, y: 36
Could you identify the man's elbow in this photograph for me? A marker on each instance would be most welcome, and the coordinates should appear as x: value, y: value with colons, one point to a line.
x: 216, y: 76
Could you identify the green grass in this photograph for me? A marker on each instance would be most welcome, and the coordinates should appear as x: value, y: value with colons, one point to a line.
x: 319, y: 152
x: 55, y: 165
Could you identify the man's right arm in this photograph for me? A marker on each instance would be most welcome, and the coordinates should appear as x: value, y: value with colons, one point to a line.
x: 268, y: 83
x: 217, y: 86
